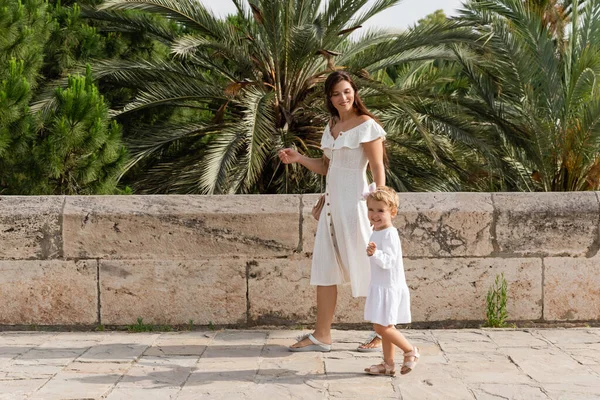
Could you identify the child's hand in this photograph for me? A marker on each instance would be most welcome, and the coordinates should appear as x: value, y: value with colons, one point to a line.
x: 371, y: 247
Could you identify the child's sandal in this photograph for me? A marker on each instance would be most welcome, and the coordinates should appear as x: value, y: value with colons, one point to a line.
x: 408, y: 366
x: 381, y: 369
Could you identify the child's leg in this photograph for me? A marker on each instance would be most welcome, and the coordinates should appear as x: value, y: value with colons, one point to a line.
x: 391, y: 334
x: 394, y: 336
x: 388, y: 348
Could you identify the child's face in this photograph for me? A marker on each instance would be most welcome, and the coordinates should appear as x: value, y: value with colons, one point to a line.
x: 380, y: 214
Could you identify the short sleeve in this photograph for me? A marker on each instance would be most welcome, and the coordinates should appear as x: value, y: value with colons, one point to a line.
x: 372, y: 131
x: 326, y: 139
x: 366, y: 132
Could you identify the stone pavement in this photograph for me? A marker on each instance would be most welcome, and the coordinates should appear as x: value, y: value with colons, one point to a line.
x: 481, y: 364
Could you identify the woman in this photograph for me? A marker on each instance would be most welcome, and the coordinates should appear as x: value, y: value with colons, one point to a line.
x: 352, y: 140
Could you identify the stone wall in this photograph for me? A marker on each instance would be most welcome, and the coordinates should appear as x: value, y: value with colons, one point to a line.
x: 244, y: 260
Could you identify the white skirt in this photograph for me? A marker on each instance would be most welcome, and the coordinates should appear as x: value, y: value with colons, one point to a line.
x: 388, y: 305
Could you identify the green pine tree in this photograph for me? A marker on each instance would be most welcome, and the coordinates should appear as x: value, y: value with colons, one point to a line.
x: 79, y: 151
x: 24, y: 27
x: 69, y: 147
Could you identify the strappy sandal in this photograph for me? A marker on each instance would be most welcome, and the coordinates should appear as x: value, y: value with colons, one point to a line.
x: 315, y: 346
x: 408, y: 366
x: 381, y: 369
x: 361, y: 349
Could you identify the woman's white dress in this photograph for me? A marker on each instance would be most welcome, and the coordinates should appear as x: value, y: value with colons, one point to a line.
x: 343, y: 230
x: 388, y: 301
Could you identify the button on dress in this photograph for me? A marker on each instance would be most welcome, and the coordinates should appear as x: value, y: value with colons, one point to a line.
x: 344, y: 230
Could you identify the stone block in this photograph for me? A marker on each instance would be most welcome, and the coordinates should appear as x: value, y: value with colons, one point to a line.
x: 430, y: 224
x: 540, y: 365
x: 547, y: 224
x: 349, y: 310
x: 495, y: 391
x: 455, y: 288
x: 515, y: 338
x: 20, y: 388
x: 180, y: 227
x: 48, y: 292
x: 445, y: 224
x: 173, y: 292
x: 30, y: 227
x: 158, y: 372
x: 572, y: 338
x: 572, y: 289
x: 280, y: 293
x: 441, y: 289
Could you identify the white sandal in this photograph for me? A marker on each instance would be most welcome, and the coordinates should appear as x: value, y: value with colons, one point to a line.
x: 382, y: 369
x: 315, y: 346
x: 369, y: 340
x: 408, y: 366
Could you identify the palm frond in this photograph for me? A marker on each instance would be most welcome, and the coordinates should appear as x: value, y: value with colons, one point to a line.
x: 189, y: 12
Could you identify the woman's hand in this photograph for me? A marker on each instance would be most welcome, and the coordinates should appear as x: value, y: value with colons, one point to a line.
x: 371, y: 248
x: 289, y: 156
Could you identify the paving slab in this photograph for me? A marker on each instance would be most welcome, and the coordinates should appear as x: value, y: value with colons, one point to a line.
x: 473, y: 364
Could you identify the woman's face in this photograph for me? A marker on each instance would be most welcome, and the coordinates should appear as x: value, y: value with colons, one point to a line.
x: 342, y: 97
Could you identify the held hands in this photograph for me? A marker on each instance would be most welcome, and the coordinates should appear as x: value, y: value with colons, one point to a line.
x: 371, y: 248
x: 289, y: 156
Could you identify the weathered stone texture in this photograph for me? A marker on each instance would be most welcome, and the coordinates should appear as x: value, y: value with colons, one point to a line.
x: 547, y: 224
x: 349, y: 309
x: 572, y: 289
x: 180, y: 227
x: 30, y: 227
x: 48, y: 292
x: 256, y: 365
x: 441, y: 289
x: 445, y: 224
x: 279, y: 292
x: 173, y: 292
x: 431, y: 224
x: 455, y: 289
x: 238, y: 259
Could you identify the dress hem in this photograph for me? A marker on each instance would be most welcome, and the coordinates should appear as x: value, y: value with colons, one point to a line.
x: 388, y: 323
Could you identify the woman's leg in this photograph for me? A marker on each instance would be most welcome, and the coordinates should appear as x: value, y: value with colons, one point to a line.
x: 326, y: 302
x: 373, y: 344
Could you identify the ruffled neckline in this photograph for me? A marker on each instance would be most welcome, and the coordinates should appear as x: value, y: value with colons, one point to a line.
x: 352, y: 138
x: 349, y: 130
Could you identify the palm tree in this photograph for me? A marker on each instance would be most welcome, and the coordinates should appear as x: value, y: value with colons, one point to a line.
x: 243, y: 87
x: 555, y: 14
x: 537, y: 99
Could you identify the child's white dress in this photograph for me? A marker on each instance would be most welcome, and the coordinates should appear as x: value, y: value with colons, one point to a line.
x: 388, y: 301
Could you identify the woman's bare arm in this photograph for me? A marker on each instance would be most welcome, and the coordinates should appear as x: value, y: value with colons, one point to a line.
x: 317, y: 165
x: 374, y: 152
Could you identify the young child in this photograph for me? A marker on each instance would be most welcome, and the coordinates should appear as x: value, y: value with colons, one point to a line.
x: 388, y: 301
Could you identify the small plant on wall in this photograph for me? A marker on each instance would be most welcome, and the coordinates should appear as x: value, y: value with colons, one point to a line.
x: 496, y: 303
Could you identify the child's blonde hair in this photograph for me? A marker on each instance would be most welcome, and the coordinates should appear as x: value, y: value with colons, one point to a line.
x: 387, y: 195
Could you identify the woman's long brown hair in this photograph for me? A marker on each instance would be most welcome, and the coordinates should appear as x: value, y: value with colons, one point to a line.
x: 333, y: 79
